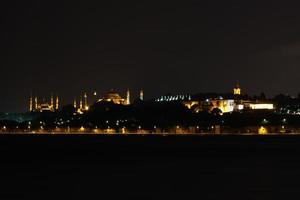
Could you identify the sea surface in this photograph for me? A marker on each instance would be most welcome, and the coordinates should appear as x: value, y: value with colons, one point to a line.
x: 149, y: 167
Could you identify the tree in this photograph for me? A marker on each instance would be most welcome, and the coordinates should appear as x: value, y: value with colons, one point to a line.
x: 216, y: 111
x: 262, y: 96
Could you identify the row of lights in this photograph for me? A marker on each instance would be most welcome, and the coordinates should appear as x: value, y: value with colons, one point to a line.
x: 174, y: 98
x: 262, y: 130
x: 96, y: 127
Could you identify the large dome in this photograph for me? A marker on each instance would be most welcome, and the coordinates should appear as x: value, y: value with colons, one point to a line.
x: 114, y: 97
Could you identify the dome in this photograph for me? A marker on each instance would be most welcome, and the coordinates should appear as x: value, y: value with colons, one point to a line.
x: 114, y: 97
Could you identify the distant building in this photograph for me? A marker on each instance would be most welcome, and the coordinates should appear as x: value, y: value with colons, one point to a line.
x: 208, y: 105
x: 44, y: 106
x: 225, y: 105
x: 110, y: 96
x: 114, y: 97
x: 83, y: 104
x: 237, y: 90
x: 261, y: 106
x: 254, y: 105
x: 190, y: 104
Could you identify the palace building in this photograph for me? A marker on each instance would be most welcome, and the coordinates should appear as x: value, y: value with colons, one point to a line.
x: 226, y: 105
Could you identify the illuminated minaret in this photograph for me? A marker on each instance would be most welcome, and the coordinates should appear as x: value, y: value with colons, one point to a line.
x: 57, y: 103
x: 86, y: 106
x: 75, y: 103
x: 36, y: 103
x: 52, y: 103
x: 80, y: 104
x: 128, y: 97
x: 142, y: 95
x: 30, y: 103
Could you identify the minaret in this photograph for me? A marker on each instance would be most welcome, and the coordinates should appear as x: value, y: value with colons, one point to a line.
x: 86, y: 106
x: 75, y: 103
x: 36, y: 103
x: 57, y: 103
x: 80, y: 104
x: 30, y: 103
x: 52, y: 103
x: 142, y: 95
x: 128, y: 97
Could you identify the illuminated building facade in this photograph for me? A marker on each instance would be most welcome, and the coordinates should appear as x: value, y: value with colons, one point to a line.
x: 255, y: 105
x: 261, y: 106
x: 190, y: 104
x: 225, y: 105
x: 237, y: 90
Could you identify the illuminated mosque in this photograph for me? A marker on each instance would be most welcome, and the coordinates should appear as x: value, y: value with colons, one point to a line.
x: 111, y: 96
x: 116, y: 98
x: 83, y: 104
x: 43, y: 106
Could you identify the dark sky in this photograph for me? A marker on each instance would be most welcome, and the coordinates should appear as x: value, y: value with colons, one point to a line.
x: 161, y: 46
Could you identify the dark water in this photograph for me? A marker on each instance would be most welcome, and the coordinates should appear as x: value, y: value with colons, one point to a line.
x: 149, y: 167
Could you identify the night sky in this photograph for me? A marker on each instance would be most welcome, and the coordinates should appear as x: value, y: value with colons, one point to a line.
x: 160, y: 46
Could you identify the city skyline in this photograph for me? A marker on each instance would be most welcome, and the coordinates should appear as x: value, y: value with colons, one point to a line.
x: 111, y: 113
x: 94, y: 95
